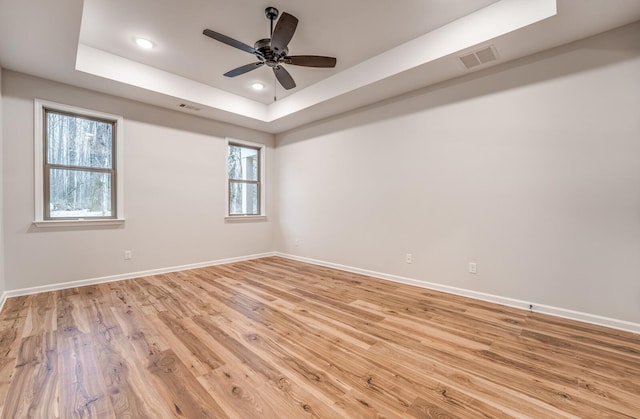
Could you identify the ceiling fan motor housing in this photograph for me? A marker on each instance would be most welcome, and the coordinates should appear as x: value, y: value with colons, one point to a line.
x: 263, y: 46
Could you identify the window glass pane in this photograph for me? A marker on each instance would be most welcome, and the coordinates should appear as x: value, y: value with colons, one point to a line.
x: 77, y: 141
x: 78, y: 193
x: 243, y: 163
x: 243, y: 199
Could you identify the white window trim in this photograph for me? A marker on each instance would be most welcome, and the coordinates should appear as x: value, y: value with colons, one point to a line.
x: 38, y: 145
x: 263, y: 183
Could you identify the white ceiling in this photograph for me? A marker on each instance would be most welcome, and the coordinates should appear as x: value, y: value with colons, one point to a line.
x: 325, y: 28
x: 383, y: 48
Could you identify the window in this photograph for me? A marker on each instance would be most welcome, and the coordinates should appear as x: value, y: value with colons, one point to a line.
x: 245, y: 179
x: 78, y: 162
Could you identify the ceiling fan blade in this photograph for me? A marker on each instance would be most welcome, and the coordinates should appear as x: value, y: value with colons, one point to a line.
x: 243, y: 69
x: 229, y: 41
x: 283, y: 32
x: 311, y: 61
x: 284, y: 77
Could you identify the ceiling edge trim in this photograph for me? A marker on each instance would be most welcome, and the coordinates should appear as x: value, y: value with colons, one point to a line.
x: 103, y: 64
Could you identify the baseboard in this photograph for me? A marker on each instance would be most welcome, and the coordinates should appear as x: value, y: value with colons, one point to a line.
x: 511, y: 302
x: 121, y: 277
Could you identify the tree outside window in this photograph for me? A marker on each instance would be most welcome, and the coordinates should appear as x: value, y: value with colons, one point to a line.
x: 79, y: 162
x: 243, y: 166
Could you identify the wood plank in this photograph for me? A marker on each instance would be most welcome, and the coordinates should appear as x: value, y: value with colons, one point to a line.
x: 41, y: 314
x: 34, y: 387
x: 15, y: 307
x: 124, y: 386
x: 239, y: 396
x: 244, y: 389
x: 181, y: 389
x: 9, y: 346
x: 292, y: 395
x: 205, y: 355
x: 82, y: 392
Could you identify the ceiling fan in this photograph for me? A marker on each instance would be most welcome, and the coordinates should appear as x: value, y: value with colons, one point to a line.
x: 273, y: 51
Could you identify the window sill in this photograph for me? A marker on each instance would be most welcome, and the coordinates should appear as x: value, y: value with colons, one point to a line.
x: 77, y: 223
x: 244, y: 218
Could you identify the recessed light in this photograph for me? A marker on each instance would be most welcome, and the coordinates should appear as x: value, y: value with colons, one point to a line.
x: 257, y: 86
x: 144, y: 43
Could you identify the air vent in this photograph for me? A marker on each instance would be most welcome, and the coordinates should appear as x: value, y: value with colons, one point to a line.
x: 479, y: 57
x: 190, y: 107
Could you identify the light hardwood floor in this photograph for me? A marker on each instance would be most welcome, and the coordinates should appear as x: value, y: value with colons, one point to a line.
x: 282, y: 339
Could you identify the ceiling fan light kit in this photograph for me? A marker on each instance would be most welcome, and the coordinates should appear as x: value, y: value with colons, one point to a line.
x: 274, y: 52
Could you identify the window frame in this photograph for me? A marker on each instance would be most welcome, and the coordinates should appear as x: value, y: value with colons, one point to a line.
x: 41, y: 165
x: 261, y: 182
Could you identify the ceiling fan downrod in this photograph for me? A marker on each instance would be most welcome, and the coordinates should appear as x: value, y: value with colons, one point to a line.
x: 272, y: 14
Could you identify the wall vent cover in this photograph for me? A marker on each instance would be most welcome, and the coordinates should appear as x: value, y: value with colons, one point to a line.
x: 190, y: 107
x: 479, y: 57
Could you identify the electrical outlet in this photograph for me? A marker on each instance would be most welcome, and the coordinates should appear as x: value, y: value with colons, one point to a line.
x: 473, y: 268
x: 408, y: 258
x: 296, y: 243
x: 127, y: 254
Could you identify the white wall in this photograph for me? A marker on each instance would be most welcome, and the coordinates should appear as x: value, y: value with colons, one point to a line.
x: 174, y: 193
x: 530, y: 169
x: 2, y: 282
